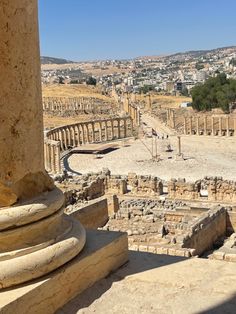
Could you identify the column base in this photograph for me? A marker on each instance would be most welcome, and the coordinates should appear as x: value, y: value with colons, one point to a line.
x: 36, y: 238
x: 103, y: 252
x: 179, y: 157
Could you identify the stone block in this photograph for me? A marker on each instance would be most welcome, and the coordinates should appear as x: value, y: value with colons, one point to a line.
x: 104, y: 252
x: 230, y: 257
x: 219, y: 255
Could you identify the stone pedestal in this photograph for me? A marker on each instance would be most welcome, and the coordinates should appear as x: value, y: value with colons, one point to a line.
x: 104, y: 252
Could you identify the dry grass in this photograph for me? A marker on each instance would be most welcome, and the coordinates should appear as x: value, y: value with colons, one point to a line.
x: 54, y: 121
x: 166, y: 101
x: 86, y: 67
x: 57, y: 90
x: 73, y: 90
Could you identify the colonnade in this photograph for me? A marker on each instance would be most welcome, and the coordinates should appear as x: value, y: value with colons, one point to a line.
x: 222, y: 125
x: 69, y: 136
x: 88, y: 104
x: 132, y: 109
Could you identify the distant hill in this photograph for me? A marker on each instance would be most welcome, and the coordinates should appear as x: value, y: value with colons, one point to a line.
x: 192, y: 54
x: 50, y: 60
x: 198, y: 53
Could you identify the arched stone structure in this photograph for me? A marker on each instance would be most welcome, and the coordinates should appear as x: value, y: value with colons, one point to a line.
x: 70, y: 136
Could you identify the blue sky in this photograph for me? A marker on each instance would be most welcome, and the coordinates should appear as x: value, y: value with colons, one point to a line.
x: 112, y: 29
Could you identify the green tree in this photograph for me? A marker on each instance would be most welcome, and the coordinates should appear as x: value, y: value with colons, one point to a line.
x: 185, y: 92
x: 217, y: 92
x: 91, y: 81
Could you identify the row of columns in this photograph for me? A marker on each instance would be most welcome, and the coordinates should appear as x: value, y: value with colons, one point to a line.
x: 131, y: 109
x: 192, y: 125
x: 66, y: 137
x: 53, y: 104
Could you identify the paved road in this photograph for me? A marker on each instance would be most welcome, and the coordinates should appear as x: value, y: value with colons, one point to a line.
x: 157, y: 125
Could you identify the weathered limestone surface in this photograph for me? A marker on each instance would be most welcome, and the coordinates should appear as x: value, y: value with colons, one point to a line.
x: 93, y: 215
x: 21, y: 137
x: 217, y: 189
x: 205, y: 230
x: 35, y: 236
x: 152, y: 283
x: 103, y: 253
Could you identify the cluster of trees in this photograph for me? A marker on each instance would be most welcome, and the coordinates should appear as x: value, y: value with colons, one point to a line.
x: 199, y: 66
x: 217, y: 92
x: 233, y: 62
x: 91, y: 81
x: 146, y: 89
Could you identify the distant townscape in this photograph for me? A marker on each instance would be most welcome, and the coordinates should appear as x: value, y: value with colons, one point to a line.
x: 174, y: 74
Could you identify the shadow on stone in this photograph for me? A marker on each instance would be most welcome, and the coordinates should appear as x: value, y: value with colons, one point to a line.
x: 138, y: 262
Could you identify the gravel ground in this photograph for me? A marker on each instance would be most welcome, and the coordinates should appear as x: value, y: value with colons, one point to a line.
x: 204, y: 156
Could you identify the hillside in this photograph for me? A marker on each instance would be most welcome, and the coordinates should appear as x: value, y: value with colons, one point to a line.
x: 51, y: 60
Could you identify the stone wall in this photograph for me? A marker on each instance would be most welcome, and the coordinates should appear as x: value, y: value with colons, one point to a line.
x: 83, y: 188
x: 116, y: 184
x: 205, y: 230
x: 180, y: 189
x: 216, y: 189
x: 145, y: 185
x: 93, y: 185
x: 221, y: 190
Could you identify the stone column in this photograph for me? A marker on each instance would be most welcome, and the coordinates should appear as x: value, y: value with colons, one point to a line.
x: 179, y: 145
x: 112, y: 130
x: 197, y: 125
x: 185, y: 126
x: 220, y: 126
x: 191, y: 125
x: 82, y: 133
x: 106, y: 131
x: 65, y: 137
x: 61, y: 139
x: 205, y: 125
x: 212, y: 126
x: 93, y: 132
x: 227, y: 125
x: 87, y: 133
x: 36, y: 237
x: 72, y: 131
x: 118, y: 128
x: 125, y: 128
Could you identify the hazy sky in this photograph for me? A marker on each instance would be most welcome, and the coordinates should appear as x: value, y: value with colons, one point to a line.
x: 110, y: 29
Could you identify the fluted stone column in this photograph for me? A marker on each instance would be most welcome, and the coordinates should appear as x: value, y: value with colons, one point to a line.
x: 36, y: 237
